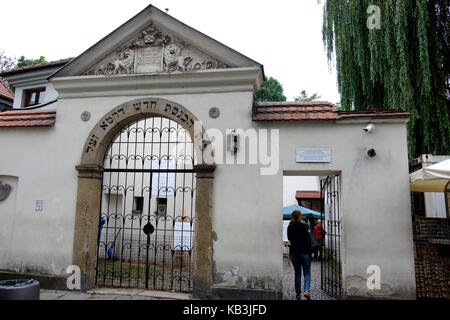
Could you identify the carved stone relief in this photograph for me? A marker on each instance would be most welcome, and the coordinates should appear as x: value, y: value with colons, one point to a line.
x: 153, y: 51
x: 5, y: 190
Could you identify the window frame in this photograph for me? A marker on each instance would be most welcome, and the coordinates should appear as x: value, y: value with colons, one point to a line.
x: 161, y: 205
x: 138, y: 205
x: 29, y: 92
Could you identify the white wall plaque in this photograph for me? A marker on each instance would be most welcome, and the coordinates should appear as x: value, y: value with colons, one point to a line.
x: 313, y: 155
x: 39, y: 205
x: 149, y: 59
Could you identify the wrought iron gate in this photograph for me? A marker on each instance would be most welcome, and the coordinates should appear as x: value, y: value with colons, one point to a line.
x: 331, y: 265
x: 147, y: 208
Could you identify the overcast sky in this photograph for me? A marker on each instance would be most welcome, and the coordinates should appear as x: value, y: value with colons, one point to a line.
x: 285, y: 35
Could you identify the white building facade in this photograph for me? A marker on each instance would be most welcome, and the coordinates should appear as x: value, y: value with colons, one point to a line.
x: 154, y: 66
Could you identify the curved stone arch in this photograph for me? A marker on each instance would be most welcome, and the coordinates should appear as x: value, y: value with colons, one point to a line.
x: 118, y: 118
x: 90, y: 174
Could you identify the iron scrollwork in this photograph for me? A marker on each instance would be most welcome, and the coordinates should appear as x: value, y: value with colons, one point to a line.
x: 150, y: 159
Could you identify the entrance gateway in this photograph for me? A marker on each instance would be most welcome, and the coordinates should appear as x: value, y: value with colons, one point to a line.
x: 331, y: 220
x: 147, y: 211
x: 142, y: 199
x: 326, y: 272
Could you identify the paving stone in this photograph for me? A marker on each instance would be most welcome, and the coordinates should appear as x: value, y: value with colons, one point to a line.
x: 165, y: 295
x: 113, y: 291
x: 113, y: 294
x: 122, y: 297
x: 74, y: 296
x: 102, y: 297
x: 289, y: 286
x: 50, y: 295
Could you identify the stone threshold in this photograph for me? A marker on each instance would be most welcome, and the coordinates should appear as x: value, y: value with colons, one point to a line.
x: 142, y: 293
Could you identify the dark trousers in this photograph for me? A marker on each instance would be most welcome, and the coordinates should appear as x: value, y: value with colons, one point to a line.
x: 301, y: 261
x: 316, y: 253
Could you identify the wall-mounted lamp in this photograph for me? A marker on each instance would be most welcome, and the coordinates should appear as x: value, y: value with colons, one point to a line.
x: 233, y: 141
x: 370, y: 127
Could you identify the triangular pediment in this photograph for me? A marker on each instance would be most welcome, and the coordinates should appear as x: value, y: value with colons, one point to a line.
x: 154, y: 42
x: 153, y: 51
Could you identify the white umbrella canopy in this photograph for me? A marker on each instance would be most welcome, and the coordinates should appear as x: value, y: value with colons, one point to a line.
x: 431, y: 179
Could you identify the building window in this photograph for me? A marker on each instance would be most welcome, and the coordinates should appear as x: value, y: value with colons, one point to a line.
x: 34, y: 97
x: 161, y: 205
x: 138, y: 205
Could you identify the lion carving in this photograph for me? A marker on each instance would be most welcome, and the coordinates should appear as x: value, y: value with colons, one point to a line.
x: 174, y: 61
x: 126, y: 63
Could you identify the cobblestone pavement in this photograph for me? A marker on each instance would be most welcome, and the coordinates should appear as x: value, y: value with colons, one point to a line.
x: 136, y: 294
x: 288, y: 282
x: 113, y: 294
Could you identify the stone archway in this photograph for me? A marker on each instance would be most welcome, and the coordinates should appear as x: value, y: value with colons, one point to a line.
x: 90, y: 172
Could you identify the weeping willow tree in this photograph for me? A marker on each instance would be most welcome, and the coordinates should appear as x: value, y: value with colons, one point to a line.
x: 403, y: 63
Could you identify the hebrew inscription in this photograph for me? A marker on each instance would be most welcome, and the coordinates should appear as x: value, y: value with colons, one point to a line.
x: 150, y: 107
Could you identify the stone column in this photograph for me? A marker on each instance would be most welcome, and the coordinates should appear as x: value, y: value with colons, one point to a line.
x: 202, y: 266
x: 87, y: 222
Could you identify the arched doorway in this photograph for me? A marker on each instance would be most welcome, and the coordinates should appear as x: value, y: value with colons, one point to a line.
x: 147, y: 212
x: 135, y: 245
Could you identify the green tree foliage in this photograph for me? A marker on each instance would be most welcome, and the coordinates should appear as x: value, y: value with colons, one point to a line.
x: 305, y: 97
x: 403, y: 64
x: 26, y: 62
x: 270, y: 90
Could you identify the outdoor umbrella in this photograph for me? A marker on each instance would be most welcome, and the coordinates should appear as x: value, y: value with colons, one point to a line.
x: 287, y: 211
x: 431, y: 179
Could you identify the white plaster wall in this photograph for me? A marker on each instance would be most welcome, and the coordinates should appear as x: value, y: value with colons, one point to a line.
x: 39, y: 241
x: 375, y: 205
x: 292, y: 184
x: 246, y: 213
x: 7, y: 212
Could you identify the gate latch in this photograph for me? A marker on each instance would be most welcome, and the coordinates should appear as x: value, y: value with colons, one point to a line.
x: 148, y: 229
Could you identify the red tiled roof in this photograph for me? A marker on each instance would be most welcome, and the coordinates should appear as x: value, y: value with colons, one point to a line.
x: 315, y: 110
x: 28, y: 118
x: 308, y: 194
x: 42, y: 64
x: 4, y: 90
x: 297, y: 110
x: 394, y: 113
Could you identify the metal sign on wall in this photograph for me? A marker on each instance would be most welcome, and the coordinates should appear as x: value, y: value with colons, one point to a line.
x: 313, y: 154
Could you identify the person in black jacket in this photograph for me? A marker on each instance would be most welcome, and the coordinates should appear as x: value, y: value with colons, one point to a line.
x: 299, y: 253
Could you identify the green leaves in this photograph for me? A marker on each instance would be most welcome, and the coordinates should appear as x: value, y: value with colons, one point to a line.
x: 270, y: 90
x: 26, y: 62
x: 305, y: 97
x: 403, y: 65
